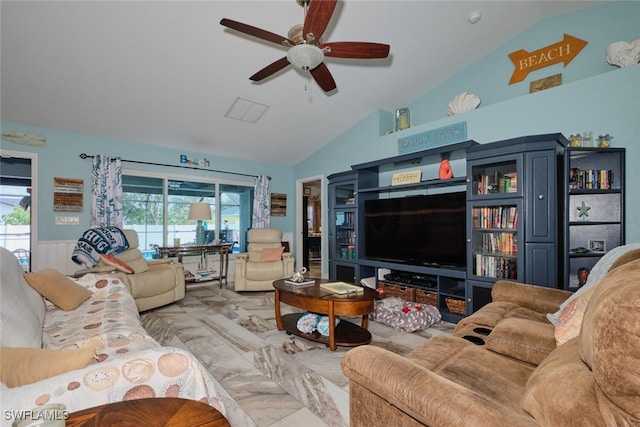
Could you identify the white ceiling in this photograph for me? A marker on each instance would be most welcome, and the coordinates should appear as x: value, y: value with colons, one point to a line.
x: 165, y: 73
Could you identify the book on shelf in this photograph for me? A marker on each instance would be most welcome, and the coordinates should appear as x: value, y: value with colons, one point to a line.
x: 341, y: 288
x: 307, y: 282
x: 497, y: 182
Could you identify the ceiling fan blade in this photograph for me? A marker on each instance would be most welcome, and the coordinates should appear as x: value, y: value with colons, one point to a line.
x: 318, y: 17
x: 256, y: 32
x: 363, y: 50
x: 270, y: 69
x: 323, y: 77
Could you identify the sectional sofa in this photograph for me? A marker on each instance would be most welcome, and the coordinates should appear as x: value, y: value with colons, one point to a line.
x: 509, y: 365
x: 80, y: 342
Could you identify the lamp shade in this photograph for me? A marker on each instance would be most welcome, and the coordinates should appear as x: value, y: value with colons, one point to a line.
x: 200, y: 211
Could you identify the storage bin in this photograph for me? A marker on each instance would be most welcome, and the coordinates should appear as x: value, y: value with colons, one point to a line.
x: 424, y: 296
x: 456, y: 306
x: 407, y: 293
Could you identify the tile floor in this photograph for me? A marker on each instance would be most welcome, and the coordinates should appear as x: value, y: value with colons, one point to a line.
x: 267, y: 378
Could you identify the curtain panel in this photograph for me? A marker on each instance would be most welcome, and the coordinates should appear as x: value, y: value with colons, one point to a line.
x: 106, y: 192
x: 261, y: 203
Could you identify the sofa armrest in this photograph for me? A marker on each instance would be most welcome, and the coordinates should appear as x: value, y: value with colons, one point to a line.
x: 422, y: 394
x: 240, y: 265
x: 162, y: 261
x: 242, y: 256
x: 97, y: 270
x: 537, y: 298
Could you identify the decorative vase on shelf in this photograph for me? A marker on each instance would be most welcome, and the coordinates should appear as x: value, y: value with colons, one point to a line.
x: 402, y: 120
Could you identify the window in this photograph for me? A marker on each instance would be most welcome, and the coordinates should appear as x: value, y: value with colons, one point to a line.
x: 15, y: 207
x: 155, y: 204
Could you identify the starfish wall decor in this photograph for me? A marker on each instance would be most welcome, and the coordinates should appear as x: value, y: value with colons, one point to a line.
x: 583, y: 211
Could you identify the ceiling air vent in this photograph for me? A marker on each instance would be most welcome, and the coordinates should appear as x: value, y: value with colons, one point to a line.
x: 246, y: 110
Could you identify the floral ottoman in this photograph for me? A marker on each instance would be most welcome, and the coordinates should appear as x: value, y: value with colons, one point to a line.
x: 405, y: 315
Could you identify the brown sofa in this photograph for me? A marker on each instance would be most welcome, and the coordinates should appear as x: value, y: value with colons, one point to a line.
x: 515, y: 376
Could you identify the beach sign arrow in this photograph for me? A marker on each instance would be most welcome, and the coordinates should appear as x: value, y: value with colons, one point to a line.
x: 562, y: 51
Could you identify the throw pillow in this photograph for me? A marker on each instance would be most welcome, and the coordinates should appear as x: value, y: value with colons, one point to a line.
x: 610, y: 260
x: 271, y: 254
x: 570, y: 319
x: 115, y: 262
x: 58, y: 288
x: 21, y: 365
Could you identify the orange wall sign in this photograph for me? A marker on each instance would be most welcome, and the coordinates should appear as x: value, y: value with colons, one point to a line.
x: 562, y: 51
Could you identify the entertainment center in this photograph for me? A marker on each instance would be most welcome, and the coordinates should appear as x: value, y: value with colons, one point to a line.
x: 499, y: 216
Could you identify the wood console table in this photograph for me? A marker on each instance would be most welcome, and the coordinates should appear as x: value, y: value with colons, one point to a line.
x: 224, y: 249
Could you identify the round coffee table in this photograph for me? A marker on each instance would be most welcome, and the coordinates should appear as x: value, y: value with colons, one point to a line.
x: 317, y: 300
x: 161, y: 411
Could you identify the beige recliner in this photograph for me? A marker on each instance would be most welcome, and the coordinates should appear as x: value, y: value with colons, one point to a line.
x: 153, y: 283
x: 254, y: 271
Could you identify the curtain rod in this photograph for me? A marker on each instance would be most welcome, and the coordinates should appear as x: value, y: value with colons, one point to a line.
x: 88, y: 156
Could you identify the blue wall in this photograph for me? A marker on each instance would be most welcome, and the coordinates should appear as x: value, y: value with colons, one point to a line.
x: 60, y: 158
x: 594, y: 96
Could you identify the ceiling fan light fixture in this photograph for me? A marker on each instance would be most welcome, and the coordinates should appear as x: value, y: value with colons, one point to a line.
x: 305, y: 56
x: 295, y: 34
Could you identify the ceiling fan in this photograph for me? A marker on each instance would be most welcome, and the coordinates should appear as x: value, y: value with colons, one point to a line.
x: 306, y: 49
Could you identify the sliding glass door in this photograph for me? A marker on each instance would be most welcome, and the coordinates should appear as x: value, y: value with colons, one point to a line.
x: 158, y: 209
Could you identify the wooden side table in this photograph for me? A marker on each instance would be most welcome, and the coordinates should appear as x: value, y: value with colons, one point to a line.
x: 153, y: 412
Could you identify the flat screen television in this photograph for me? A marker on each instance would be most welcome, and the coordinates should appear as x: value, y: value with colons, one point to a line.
x: 422, y: 230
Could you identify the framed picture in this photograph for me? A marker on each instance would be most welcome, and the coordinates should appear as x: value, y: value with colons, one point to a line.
x: 597, y: 245
x: 545, y: 83
x: 278, y: 204
x: 307, y: 191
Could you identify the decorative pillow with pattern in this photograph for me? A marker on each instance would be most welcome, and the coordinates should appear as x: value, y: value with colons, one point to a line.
x: 571, y: 316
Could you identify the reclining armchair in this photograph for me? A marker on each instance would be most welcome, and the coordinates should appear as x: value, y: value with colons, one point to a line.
x: 264, y: 262
x: 152, y: 283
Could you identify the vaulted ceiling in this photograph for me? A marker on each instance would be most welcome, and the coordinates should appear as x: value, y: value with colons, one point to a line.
x: 166, y: 72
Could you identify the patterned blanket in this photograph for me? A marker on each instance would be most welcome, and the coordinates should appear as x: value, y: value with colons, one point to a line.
x: 97, y: 241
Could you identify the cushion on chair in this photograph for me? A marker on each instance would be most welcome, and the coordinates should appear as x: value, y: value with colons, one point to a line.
x: 571, y: 316
x: 271, y: 254
x: 115, y: 262
x: 264, y: 235
x: 134, y: 259
x: 264, y: 270
x: 132, y: 238
x: 614, y: 258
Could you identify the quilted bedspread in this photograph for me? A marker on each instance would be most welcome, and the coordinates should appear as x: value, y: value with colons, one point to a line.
x: 131, y: 364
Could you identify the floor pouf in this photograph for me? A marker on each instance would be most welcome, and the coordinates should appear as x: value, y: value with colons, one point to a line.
x: 404, y: 315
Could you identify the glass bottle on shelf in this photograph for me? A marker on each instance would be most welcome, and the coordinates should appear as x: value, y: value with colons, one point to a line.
x: 575, y: 140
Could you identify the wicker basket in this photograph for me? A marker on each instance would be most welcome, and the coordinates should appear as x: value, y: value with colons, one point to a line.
x: 456, y: 306
x: 427, y: 297
x: 407, y: 293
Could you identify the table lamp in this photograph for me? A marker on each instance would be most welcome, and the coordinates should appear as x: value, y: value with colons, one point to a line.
x: 200, y: 212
